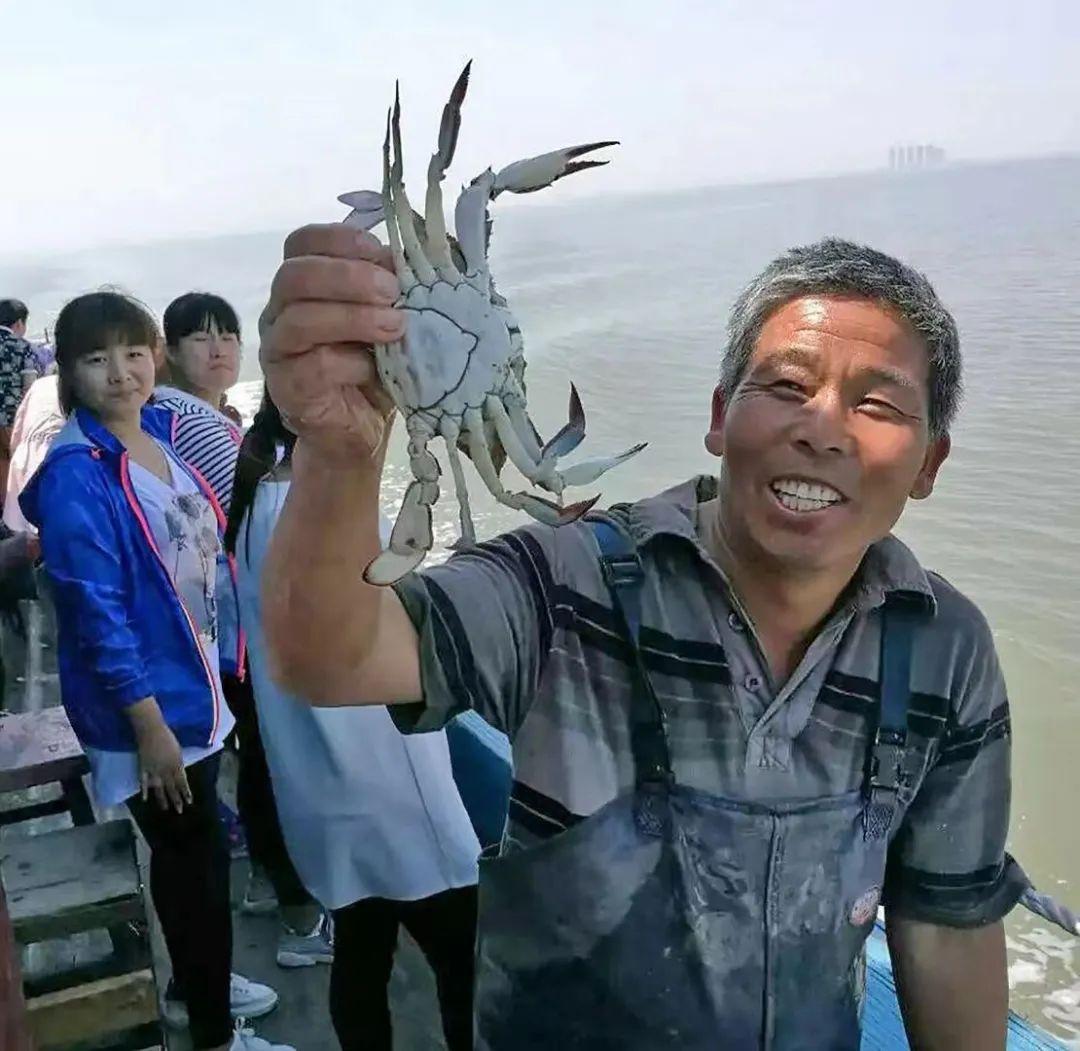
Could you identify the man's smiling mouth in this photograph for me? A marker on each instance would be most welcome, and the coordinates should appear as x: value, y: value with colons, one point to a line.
x: 797, y: 494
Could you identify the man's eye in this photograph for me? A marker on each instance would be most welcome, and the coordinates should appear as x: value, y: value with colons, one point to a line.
x: 788, y: 386
x: 881, y: 405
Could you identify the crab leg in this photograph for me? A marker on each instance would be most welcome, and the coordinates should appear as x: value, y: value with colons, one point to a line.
x: 536, y: 173
x: 544, y: 472
x: 438, y: 247
x: 527, y: 463
x: 451, y: 432
x: 412, y: 536
x: 471, y: 224
x: 519, y: 418
x: 404, y: 271
x: 542, y: 510
x: 414, y: 251
x: 367, y: 209
x: 588, y: 471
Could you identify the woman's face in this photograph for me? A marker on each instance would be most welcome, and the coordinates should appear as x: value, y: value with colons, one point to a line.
x: 206, y: 363
x: 114, y: 382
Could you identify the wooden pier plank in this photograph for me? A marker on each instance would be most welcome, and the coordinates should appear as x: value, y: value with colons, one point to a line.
x: 37, y: 748
x: 72, y: 880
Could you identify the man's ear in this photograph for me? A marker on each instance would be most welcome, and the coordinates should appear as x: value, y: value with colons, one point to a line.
x: 714, y: 436
x: 936, y: 455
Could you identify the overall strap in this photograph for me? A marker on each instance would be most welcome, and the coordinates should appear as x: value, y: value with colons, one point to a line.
x: 624, y: 576
x: 886, y: 774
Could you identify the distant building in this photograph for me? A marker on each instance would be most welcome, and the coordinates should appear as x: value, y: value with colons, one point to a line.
x: 915, y: 156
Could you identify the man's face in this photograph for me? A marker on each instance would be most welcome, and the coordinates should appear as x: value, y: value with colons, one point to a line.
x: 19, y: 327
x: 826, y: 435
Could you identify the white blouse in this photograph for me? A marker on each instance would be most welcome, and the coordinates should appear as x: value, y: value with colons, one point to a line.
x: 365, y: 810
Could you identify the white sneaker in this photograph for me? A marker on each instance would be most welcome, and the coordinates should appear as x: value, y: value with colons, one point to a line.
x: 259, y: 897
x: 247, y: 999
x: 306, y: 950
x: 244, y: 1039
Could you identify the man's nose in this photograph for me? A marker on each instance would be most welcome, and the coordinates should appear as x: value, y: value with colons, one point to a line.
x: 822, y: 429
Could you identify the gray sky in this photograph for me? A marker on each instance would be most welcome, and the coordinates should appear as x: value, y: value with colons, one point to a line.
x: 136, y: 119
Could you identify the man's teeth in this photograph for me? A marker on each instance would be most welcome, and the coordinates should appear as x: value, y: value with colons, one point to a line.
x: 805, y: 496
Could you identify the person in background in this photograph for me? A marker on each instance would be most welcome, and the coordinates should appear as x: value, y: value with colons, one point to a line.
x: 18, y: 369
x: 202, y: 360
x: 131, y: 546
x: 372, y: 818
x: 37, y: 422
x: 18, y: 552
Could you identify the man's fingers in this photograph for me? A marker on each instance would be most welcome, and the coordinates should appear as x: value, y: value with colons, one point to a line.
x: 339, y: 280
x: 159, y: 794
x: 343, y: 242
x: 144, y: 784
x: 307, y: 324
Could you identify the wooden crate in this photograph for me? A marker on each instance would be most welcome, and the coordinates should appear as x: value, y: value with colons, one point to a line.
x: 69, y: 882
x: 93, y: 1012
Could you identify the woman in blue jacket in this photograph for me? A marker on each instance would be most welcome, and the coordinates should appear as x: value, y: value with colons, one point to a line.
x: 131, y: 544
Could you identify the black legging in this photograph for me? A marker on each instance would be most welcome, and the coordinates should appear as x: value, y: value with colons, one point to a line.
x: 189, y: 882
x: 365, y: 937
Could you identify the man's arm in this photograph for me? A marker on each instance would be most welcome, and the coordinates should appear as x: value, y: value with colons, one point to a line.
x: 332, y: 638
x: 951, y: 983
x: 949, y: 881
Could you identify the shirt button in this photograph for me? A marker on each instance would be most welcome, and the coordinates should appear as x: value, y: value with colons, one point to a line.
x: 734, y: 622
x: 751, y: 682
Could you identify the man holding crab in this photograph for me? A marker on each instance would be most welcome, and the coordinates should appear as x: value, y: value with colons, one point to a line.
x: 743, y: 714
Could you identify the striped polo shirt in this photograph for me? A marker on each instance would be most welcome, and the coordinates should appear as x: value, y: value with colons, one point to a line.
x: 205, y: 438
x: 521, y: 629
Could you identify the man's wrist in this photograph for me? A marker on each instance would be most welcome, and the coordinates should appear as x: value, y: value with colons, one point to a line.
x: 314, y: 464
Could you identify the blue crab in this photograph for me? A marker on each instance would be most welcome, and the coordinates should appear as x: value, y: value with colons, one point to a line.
x: 458, y: 374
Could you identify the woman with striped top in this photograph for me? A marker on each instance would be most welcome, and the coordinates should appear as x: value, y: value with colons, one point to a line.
x: 202, y: 359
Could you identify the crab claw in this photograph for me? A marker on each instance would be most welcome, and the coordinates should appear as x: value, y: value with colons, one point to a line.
x: 410, y: 541
x: 535, y: 173
x: 551, y: 513
x: 367, y: 209
x: 571, y: 434
x: 589, y: 470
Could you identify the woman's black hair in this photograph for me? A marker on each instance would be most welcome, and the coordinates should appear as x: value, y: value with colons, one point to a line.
x: 258, y: 458
x: 91, y: 322
x: 194, y: 312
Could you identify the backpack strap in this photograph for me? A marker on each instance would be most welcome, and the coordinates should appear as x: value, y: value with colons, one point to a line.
x: 886, y: 774
x: 624, y: 576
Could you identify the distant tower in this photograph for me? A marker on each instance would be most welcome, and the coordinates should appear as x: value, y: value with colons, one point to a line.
x: 909, y: 160
x: 920, y: 156
x: 892, y: 158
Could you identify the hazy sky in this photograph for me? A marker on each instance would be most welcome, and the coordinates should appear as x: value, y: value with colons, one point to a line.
x: 135, y: 119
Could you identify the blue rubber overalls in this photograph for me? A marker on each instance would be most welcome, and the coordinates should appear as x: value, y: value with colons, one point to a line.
x: 673, y: 918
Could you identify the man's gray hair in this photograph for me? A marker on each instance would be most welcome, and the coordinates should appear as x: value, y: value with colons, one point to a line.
x: 842, y: 268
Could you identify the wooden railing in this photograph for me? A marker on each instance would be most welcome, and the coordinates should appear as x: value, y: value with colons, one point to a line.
x: 13, y: 1032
